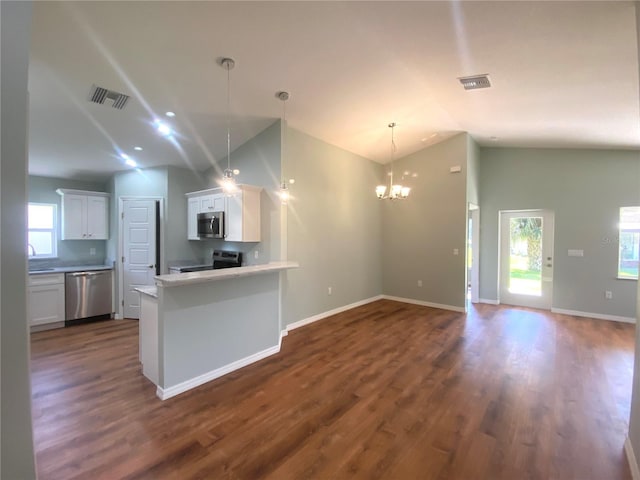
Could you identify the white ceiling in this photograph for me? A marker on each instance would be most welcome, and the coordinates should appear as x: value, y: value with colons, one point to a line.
x: 564, y: 74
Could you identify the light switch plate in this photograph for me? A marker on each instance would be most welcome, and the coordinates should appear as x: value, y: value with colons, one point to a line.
x: 576, y: 253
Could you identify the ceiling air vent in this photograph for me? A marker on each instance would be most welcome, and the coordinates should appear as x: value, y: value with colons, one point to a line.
x: 475, y: 82
x: 99, y: 95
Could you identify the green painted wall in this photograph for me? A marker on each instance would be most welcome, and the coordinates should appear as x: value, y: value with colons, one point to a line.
x: 16, y: 438
x: 585, y: 189
x: 634, y: 420
x: 420, y: 233
x: 177, y: 247
x: 333, y: 227
x: 259, y: 162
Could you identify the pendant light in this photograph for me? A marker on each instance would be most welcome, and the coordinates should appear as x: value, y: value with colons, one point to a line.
x: 396, y: 191
x: 284, y: 193
x: 228, y: 176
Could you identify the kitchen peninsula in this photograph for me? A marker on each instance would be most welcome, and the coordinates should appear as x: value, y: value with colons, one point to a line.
x: 195, y: 327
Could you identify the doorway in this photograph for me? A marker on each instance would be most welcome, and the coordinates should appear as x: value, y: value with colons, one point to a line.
x: 473, y: 254
x: 526, y: 258
x: 140, y: 220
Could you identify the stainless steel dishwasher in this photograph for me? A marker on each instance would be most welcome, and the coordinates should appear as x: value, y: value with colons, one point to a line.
x: 87, y: 294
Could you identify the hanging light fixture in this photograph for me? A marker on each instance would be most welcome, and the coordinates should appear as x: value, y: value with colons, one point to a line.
x: 228, y: 176
x: 396, y: 191
x: 284, y: 193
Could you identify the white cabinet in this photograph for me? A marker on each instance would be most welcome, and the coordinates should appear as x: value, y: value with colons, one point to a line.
x: 193, y: 209
x: 212, y: 203
x: 242, y: 220
x: 242, y: 212
x: 199, y: 202
x: 45, y: 304
x: 85, y: 215
x: 148, y: 346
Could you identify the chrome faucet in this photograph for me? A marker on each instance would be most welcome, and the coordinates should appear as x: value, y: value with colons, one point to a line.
x: 33, y: 250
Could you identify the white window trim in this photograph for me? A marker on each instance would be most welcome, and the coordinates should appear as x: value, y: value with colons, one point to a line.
x: 620, y: 227
x: 53, y: 230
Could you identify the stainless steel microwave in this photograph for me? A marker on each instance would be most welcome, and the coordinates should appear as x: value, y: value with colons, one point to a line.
x: 211, y: 225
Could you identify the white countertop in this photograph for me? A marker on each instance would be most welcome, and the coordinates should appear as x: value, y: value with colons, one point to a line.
x: 180, y: 279
x: 78, y: 268
x: 151, y: 291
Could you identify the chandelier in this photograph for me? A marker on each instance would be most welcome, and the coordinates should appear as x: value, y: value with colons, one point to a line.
x: 396, y: 191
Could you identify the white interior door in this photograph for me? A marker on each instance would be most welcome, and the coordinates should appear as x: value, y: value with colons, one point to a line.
x: 526, y: 258
x: 139, y: 251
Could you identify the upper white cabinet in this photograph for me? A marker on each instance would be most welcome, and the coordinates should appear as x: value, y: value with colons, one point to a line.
x: 85, y: 215
x: 242, y: 212
x: 201, y: 202
x: 242, y: 220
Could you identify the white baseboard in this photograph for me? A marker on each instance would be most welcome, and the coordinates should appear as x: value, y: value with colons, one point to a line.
x: 488, y: 301
x: 165, y: 393
x: 320, y: 316
x: 599, y: 316
x: 631, y: 458
x: 425, y: 304
x: 117, y: 316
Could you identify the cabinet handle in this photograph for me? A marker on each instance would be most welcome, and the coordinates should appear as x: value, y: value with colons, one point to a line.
x: 84, y: 235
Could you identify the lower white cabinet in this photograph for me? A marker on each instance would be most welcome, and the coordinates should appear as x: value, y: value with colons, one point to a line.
x: 45, y: 301
x: 148, y: 352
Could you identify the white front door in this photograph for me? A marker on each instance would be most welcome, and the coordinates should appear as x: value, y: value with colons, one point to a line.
x: 526, y: 258
x: 139, y: 251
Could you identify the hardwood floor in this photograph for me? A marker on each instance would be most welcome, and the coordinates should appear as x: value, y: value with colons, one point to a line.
x: 387, y: 390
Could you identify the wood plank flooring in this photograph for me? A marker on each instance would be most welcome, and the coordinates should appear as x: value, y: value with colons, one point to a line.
x: 387, y: 390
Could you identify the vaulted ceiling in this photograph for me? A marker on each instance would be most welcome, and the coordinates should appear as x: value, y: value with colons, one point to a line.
x: 563, y: 74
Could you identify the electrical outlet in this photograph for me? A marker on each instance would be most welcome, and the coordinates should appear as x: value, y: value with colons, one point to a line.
x: 419, y: 283
x: 329, y: 290
x: 92, y: 251
x: 608, y: 294
x: 456, y: 251
x: 256, y: 254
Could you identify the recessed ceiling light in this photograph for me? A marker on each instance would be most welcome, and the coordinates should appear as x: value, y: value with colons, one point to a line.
x: 139, y: 149
x: 170, y: 114
x: 163, y: 129
x: 131, y: 162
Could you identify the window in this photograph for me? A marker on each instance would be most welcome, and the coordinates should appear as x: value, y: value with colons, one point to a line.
x: 42, y: 239
x: 629, y: 245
